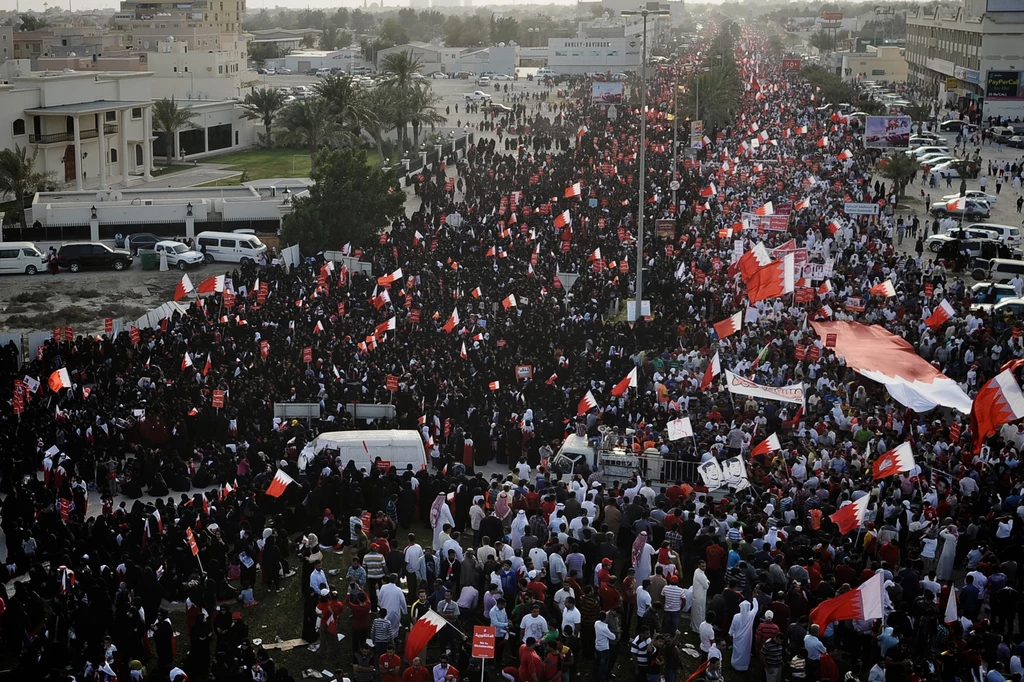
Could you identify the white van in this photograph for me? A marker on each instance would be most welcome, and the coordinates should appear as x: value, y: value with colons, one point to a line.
x: 230, y: 247
x: 396, y: 448
x: 21, y: 257
x: 1007, y: 234
x: 999, y: 270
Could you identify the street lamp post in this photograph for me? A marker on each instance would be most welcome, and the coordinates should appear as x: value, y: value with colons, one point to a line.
x: 643, y: 153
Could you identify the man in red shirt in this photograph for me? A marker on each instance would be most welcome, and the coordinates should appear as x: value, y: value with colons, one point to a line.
x: 417, y: 672
x: 390, y: 665
x: 360, y: 606
x: 536, y: 585
x: 531, y: 667
x: 609, y: 594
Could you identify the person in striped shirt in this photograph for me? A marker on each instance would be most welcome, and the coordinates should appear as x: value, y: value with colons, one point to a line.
x: 373, y: 564
x: 382, y: 632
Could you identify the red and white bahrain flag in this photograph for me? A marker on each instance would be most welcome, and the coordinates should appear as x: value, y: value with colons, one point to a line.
x: 183, y: 289
x: 714, y: 368
x: 752, y: 261
x: 873, y: 352
x: 624, y: 385
x: 883, y: 289
x: 452, y: 322
x: 186, y: 362
x: 958, y: 204
x: 943, y: 313
x: 211, y: 285
x: 899, y: 460
x: 768, y: 445
x: 385, y: 326
x: 998, y: 402
x: 773, y: 280
x: 573, y: 190
x: 862, y: 603
x: 851, y: 517
x: 395, y: 276
x: 586, y: 404
x: 59, y: 379
x: 729, y: 326
x: 280, y: 482
x: 421, y: 632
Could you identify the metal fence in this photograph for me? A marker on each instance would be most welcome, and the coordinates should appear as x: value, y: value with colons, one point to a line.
x: 620, y: 465
x: 49, y: 233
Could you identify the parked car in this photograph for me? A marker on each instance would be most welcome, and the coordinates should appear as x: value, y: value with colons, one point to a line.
x: 501, y: 77
x: 270, y: 72
x: 463, y: 75
x: 21, y: 257
x: 140, y: 240
x: 977, y: 194
x: 483, y: 81
x: 998, y: 270
x: 935, y: 159
x: 284, y: 71
x: 984, y: 295
x: 438, y: 75
x: 88, y: 255
x: 935, y: 242
x: 973, y: 209
x: 478, y: 96
x: 230, y: 247
x: 927, y: 150
x: 947, y: 169
x: 178, y: 255
x: 1016, y: 141
x: 545, y: 72
x: 500, y: 108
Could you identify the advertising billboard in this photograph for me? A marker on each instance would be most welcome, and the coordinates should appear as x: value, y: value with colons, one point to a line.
x: 831, y: 16
x: 1004, y: 85
x: 887, y: 132
x: 606, y: 93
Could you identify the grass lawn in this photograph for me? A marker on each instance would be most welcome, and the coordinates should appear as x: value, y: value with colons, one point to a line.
x: 259, y: 164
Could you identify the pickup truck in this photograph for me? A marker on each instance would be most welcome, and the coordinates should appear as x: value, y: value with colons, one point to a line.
x: 478, y: 96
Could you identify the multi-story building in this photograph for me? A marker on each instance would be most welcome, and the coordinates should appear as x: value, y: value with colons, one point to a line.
x: 973, y: 58
x: 6, y: 43
x: 575, y: 56
x: 87, y: 129
x: 226, y: 15
x: 876, y: 63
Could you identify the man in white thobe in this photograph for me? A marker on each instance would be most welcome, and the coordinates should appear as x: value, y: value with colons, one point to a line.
x: 699, y: 593
x: 391, y: 597
x: 742, y: 633
x: 440, y: 515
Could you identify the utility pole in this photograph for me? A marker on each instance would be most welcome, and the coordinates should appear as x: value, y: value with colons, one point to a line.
x: 642, y: 203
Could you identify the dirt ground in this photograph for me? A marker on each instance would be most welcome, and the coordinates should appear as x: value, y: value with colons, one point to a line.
x: 83, y: 300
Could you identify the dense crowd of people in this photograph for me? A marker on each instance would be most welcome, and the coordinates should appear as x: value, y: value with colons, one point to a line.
x: 520, y: 263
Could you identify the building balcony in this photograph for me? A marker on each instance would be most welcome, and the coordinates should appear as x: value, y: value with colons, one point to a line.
x: 55, y: 138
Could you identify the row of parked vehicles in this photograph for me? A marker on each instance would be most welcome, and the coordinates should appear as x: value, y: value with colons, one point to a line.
x: 213, y: 247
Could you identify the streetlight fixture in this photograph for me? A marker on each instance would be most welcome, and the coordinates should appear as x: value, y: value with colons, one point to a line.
x: 642, y: 12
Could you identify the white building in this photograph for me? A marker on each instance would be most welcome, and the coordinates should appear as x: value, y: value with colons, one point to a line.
x: 301, y: 61
x: 433, y: 57
x: 182, y: 73
x: 500, y: 59
x: 882, y: 63
x: 599, y: 55
x: 974, y: 56
x: 88, y: 129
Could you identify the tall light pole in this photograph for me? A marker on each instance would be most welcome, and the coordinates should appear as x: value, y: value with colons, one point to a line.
x: 643, y: 153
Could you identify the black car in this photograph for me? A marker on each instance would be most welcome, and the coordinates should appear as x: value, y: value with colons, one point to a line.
x: 142, y: 240
x: 87, y: 255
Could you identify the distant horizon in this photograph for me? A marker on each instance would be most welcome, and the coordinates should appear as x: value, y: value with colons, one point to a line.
x: 104, y: 5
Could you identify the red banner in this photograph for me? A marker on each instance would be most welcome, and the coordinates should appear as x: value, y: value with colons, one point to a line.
x: 483, y: 641
x: 307, y: 354
x: 391, y: 382
x: 218, y: 399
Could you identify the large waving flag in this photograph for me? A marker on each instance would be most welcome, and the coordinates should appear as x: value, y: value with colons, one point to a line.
x: 768, y: 445
x: 899, y: 460
x: 729, y: 325
x: 851, y: 517
x: 773, y: 280
x: 586, y: 404
x: 183, y: 289
x: 212, y: 285
x: 998, y: 402
x: 714, y: 368
x: 421, y: 632
x: 280, y: 482
x: 881, y: 356
x: 752, y: 261
x: 942, y: 314
x: 624, y: 385
x: 862, y: 603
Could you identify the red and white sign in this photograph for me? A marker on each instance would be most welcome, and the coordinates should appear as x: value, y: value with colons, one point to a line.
x: 392, y: 383
x: 307, y: 354
x: 218, y: 399
x: 483, y: 641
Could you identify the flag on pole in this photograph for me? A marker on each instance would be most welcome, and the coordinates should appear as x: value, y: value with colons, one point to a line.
x: 59, y: 379
x: 212, y: 285
x: 186, y: 362
x: 714, y: 368
x: 183, y: 289
x: 885, y: 289
x: 862, y: 603
x: 624, y: 385
x: 586, y: 404
x: 999, y: 402
x: 421, y: 632
x: 573, y: 190
x: 280, y: 482
x: 897, y: 461
x: 850, y: 517
x: 768, y: 445
x: 729, y: 325
x: 452, y: 322
x: 942, y: 314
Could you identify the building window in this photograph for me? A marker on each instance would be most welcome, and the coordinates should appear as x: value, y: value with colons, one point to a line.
x: 113, y: 156
x: 138, y: 155
x: 19, y: 126
x: 136, y: 113
x: 110, y: 116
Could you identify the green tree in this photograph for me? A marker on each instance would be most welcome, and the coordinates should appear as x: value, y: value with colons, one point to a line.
x: 169, y: 118
x: 899, y: 168
x: 384, y: 105
x: 19, y: 178
x: 263, y: 105
x: 871, y: 107
x: 261, y: 52
x: 421, y: 108
x: 393, y: 33
x: 347, y: 202
x: 345, y: 102
x: 399, y: 68
x: 822, y: 41
x: 719, y: 92
x: 30, y: 22
x: 334, y: 38
x: 309, y: 123
x: 504, y: 30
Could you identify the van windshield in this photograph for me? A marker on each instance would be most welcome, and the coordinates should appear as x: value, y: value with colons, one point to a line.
x: 253, y: 243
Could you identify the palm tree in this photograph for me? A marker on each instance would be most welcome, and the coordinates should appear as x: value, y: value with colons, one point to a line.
x: 384, y: 105
x: 346, y: 101
x: 309, y: 123
x: 719, y: 91
x: 19, y: 178
x: 899, y: 168
x: 421, y: 107
x: 168, y: 119
x: 918, y: 113
x: 399, y: 68
x: 264, y: 105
